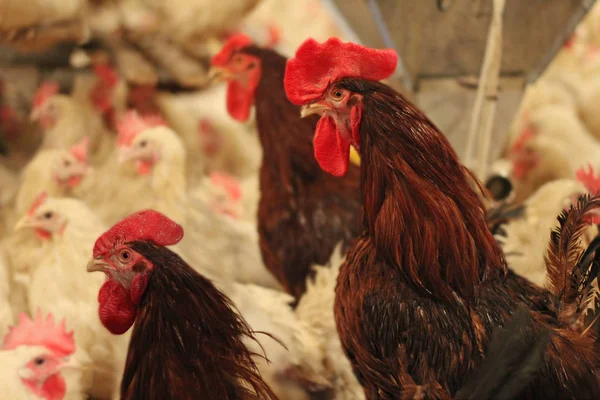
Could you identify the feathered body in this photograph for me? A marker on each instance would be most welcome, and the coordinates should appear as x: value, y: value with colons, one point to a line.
x: 196, y: 352
x: 428, y: 260
x: 426, y: 283
x: 303, y: 212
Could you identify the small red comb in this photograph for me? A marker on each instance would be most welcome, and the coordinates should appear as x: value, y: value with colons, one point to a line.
x: 227, y: 182
x: 106, y: 75
x: 80, y: 150
x: 44, y: 92
x: 148, y: 225
x: 39, y: 200
x: 235, y: 42
x: 40, y: 332
x: 591, y: 182
x: 131, y: 124
x: 316, y: 65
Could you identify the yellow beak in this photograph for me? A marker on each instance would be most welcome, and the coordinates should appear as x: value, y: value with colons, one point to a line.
x: 25, y: 222
x: 96, y: 265
x: 218, y: 74
x: 312, y: 108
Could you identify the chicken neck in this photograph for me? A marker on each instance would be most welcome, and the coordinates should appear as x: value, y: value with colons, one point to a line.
x: 421, y: 212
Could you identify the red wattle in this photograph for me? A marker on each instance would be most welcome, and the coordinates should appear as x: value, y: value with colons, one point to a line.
x: 332, y: 151
x: 239, y: 101
x: 117, y: 312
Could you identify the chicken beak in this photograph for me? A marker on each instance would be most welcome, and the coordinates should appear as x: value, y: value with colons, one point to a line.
x: 96, y: 265
x: 71, y: 363
x: 25, y: 222
x: 126, y: 154
x: 218, y: 74
x: 312, y: 108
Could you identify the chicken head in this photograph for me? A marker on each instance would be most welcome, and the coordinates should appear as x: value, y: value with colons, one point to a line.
x: 127, y: 270
x: 242, y: 72
x: 316, y: 79
x: 43, y: 218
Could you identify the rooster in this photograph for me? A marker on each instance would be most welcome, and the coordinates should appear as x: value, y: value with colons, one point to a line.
x: 426, y: 284
x: 37, y: 358
x: 200, y: 345
x: 303, y: 212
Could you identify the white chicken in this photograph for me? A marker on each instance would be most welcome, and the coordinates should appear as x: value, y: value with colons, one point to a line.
x: 553, y: 145
x: 214, y: 240
x: 67, y: 229
x: 38, y: 362
x: 315, y: 309
x: 214, y: 141
x: 66, y: 121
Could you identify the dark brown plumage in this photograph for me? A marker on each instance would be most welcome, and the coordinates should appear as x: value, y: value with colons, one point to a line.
x: 187, y: 339
x: 426, y: 284
x: 303, y: 211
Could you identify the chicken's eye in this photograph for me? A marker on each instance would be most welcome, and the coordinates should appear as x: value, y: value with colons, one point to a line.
x: 39, y: 361
x: 48, y: 215
x: 143, y: 143
x: 337, y: 94
x: 125, y: 256
x: 66, y: 163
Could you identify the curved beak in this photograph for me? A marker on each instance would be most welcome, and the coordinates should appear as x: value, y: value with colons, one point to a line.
x: 25, y: 222
x: 127, y: 154
x: 96, y: 265
x: 218, y: 74
x: 71, y: 363
x: 313, y: 108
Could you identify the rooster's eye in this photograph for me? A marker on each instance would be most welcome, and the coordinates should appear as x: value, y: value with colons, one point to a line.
x: 337, y: 94
x: 125, y: 256
x: 39, y: 361
x: 143, y: 143
x: 48, y: 214
x: 67, y: 163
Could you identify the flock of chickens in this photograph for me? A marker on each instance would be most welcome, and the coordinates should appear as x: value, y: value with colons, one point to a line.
x: 265, y: 260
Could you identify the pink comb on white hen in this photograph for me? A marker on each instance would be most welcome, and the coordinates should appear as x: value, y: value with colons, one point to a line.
x: 40, y: 332
x: 131, y: 124
x: 227, y: 182
x: 44, y: 92
x: 39, y: 200
x: 587, y: 177
x: 80, y: 150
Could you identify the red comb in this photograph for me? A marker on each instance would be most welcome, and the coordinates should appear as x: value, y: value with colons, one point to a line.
x: 40, y: 332
x: 131, y: 124
x: 227, y: 182
x: 148, y: 225
x: 80, y: 150
x: 235, y: 42
x: 39, y: 200
x: 44, y: 92
x: 107, y: 75
x: 315, y: 66
x: 591, y: 182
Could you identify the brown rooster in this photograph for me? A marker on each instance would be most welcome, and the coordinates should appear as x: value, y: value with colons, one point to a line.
x: 303, y: 212
x: 187, y: 342
x: 426, y: 284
